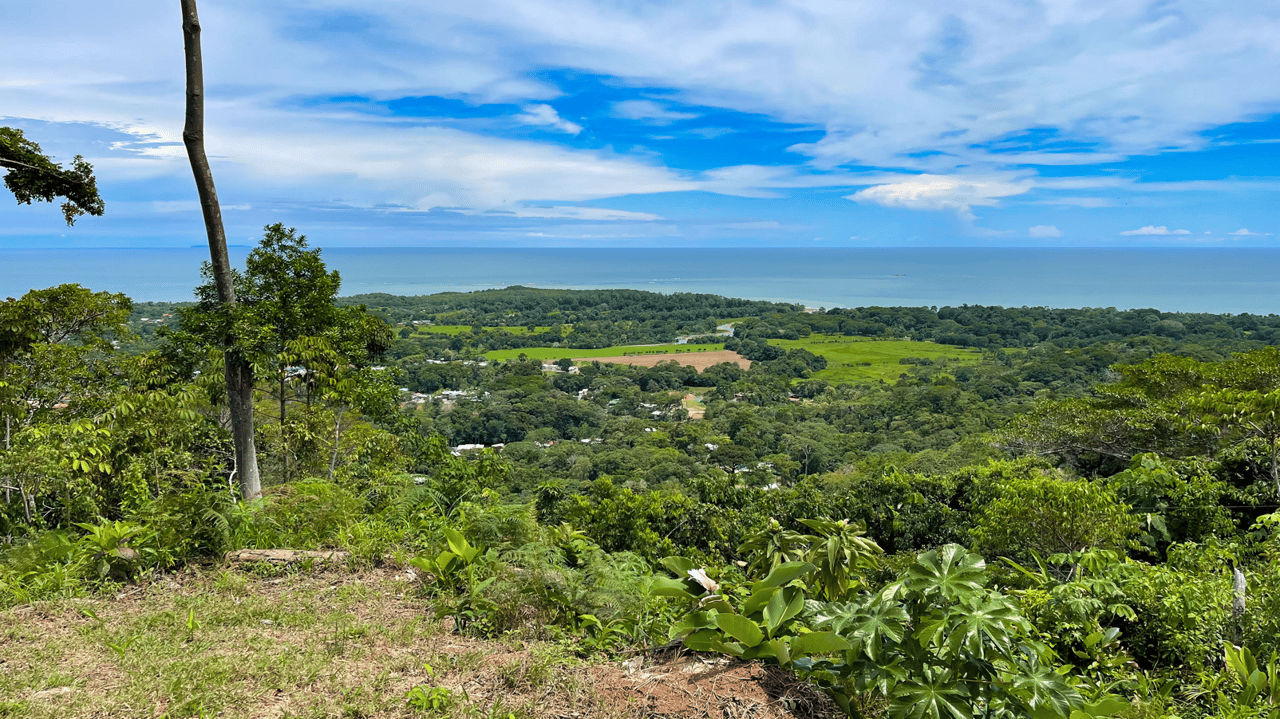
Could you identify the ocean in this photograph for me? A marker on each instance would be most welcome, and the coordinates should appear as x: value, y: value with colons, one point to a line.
x: 1187, y: 280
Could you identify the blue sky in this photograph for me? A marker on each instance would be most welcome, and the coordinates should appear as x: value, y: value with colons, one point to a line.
x: 736, y: 123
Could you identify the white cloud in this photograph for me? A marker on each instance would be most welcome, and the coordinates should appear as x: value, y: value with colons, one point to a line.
x: 1044, y: 231
x: 425, y: 167
x: 648, y: 111
x: 573, y: 213
x: 889, y: 80
x: 935, y: 192
x: 540, y: 114
x: 1244, y: 231
x: 937, y: 87
x: 1153, y: 230
x: 1086, y: 202
x: 712, y: 132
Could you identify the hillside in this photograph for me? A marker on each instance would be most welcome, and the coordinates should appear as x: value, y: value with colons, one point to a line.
x: 236, y: 643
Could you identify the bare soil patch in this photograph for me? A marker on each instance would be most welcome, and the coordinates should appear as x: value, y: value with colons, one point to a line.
x: 697, y: 360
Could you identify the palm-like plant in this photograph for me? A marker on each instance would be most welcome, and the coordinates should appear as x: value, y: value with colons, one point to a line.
x: 840, y: 551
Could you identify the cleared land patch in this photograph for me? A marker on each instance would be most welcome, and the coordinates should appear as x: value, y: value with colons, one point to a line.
x: 863, y: 359
x: 603, y: 353
x: 696, y: 360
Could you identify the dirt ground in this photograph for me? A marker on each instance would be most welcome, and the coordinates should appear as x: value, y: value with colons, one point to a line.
x: 337, y: 643
x: 697, y: 360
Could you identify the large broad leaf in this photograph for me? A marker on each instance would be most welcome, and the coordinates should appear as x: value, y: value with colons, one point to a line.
x: 930, y: 698
x: 444, y: 561
x: 818, y: 643
x: 733, y: 649
x: 1107, y: 707
x: 690, y: 623
x: 716, y: 602
x: 784, y: 574
x: 740, y: 628
x: 426, y: 565
x: 952, y: 571
x: 703, y: 640
x: 981, y: 629
x: 678, y: 566
x: 758, y: 599
x: 459, y: 545
x: 668, y: 587
x: 1045, y: 692
x: 872, y: 628
x: 783, y: 606
x: 778, y: 650
x: 763, y: 650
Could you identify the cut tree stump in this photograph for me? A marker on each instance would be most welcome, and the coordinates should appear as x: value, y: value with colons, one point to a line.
x: 285, y: 557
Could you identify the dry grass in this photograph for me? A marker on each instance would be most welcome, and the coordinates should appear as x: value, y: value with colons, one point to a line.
x: 333, y: 644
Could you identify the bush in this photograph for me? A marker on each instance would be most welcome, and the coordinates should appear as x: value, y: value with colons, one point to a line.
x: 1051, y: 515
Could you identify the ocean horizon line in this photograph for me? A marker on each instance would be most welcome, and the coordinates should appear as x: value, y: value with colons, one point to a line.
x: 1217, y: 280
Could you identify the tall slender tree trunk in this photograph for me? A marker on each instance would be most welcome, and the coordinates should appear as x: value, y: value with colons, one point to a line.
x: 8, y: 497
x: 284, y: 443
x: 337, y: 437
x: 7, y: 419
x: 239, y: 372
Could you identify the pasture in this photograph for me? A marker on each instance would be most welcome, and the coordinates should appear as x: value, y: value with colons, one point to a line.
x: 867, y: 359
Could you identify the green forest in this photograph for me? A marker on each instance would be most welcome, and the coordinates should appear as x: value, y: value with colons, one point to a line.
x: 1012, y: 512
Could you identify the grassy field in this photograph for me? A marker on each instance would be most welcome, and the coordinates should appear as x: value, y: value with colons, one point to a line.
x: 333, y: 643
x: 862, y: 359
x: 554, y: 353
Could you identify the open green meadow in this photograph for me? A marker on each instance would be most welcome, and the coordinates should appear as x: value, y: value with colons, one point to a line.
x: 862, y: 359
x: 554, y: 353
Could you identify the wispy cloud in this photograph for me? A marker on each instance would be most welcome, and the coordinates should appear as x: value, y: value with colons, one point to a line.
x: 1245, y: 232
x: 1043, y: 231
x: 598, y: 214
x: 1085, y: 202
x: 1153, y: 230
x: 648, y: 111
x: 541, y: 114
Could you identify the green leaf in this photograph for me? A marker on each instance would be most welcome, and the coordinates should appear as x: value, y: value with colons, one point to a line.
x: 702, y: 640
x: 678, y: 566
x: 952, y: 571
x: 444, y: 561
x: 784, y: 574
x: 1106, y: 707
x: 690, y: 623
x: 740, y: 628
x: 733, y: 649
x: 668, y: 587
x: 717, y: 603
x: 930, y: 698
x: 818, y: 643
x: 780, y: 651
x: 758, y: 599
x: 459, y: 545
x: 870, y: 629
x: 783, y: 606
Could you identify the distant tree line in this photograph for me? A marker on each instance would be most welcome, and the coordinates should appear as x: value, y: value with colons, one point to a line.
x: 1012, y: 327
